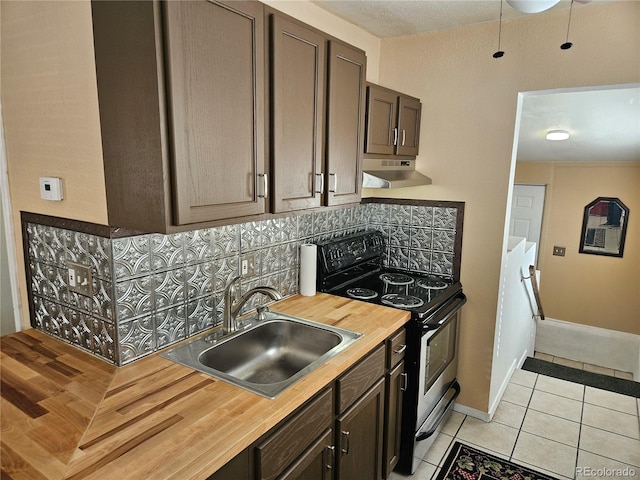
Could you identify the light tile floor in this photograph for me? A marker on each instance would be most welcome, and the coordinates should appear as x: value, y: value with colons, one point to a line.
x: 561, y: 428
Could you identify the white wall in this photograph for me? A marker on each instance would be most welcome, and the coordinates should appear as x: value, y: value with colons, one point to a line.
x: 515, y: 323
x: 584, y: 343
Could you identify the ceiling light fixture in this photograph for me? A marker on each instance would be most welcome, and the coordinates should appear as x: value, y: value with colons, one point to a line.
x: 567, y: 44
x: 532, y: 6
x: 499, y: 53
x: 556, y: 135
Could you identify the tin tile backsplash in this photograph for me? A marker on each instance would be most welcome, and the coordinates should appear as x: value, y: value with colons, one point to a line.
x: 151, y: 291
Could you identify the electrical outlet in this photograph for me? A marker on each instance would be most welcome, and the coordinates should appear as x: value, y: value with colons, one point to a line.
x: 559, y: 251
x: 79, y: 279
x: 248, y: 265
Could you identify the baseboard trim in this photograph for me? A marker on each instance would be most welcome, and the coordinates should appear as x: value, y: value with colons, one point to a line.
x: 472, y: 412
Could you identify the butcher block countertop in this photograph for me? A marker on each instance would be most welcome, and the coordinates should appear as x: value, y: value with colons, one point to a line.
x: 67, y: 414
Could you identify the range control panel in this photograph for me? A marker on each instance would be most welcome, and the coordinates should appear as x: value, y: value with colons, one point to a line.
x: 338, y: 254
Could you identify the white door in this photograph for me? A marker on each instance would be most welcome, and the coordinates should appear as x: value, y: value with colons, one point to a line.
x: 527, y: 205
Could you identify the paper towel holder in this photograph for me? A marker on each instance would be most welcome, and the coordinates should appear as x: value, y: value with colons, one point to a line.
x: 308, y: 269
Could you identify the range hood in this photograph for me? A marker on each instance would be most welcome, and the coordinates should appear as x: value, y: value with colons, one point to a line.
x: 378, y: 173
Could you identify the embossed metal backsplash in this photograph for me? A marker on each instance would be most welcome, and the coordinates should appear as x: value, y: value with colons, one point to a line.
x: 419, y: 238
x: 151, y: 291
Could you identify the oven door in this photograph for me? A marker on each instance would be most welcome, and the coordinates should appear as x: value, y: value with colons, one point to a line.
x: 438, y: 359
x: 437, y: 384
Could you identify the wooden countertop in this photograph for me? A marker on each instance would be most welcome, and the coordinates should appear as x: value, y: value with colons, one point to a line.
x: 67, y: 414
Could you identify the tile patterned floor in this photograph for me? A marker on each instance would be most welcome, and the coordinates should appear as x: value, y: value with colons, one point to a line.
x: 564, y: 429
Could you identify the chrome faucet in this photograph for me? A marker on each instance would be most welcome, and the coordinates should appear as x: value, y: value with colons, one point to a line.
x: 232, y: 307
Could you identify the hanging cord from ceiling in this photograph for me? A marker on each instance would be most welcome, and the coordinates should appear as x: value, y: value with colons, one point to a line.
x: 519, y: 6
x: 500, y: 53
x: 567, y: 44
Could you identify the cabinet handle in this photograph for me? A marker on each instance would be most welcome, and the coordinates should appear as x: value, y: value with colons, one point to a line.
x: 333, y: 176
x: 265, y: 185
x: 404, y: 134
x: 330, y: 457
x: 401, y: 349
x: 346, y: 442
x: 405, y: 380
x: 395, y: 136
x: 321, y: 182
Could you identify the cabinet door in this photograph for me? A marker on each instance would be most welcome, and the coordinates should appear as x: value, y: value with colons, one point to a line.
x: 393, y: 417
x: 409, y: 111
x: 236, y: 469
x: 298, y: 72
x: 345, y: 123
x: 316, y: 463
x: 215, y: 71
x: 382, y: 108
x: 284, y: 448
x: 360, y: 435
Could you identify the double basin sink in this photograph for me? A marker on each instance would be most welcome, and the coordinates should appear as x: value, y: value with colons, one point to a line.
x: 268, y: 355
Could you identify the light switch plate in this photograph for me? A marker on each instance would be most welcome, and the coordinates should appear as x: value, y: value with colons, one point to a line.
x: 79, y: 279
x: 559, y: 251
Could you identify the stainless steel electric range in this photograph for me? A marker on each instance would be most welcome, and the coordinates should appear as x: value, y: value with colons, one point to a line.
x: 352, y: 266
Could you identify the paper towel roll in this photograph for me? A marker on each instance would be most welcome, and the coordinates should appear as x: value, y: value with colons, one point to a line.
x: 308, y: 262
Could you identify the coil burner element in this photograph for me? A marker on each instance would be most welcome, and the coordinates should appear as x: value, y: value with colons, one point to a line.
x: 401, y: 301
x: 361, y: 293
x: 396, y: 279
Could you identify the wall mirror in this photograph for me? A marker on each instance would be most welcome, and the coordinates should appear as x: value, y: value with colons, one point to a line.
x: 604, y: 227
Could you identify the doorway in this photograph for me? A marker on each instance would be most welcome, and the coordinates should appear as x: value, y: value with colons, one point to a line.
x: 527, y: 207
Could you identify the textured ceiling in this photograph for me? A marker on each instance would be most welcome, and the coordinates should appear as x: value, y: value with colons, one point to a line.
x: 604, y: 125
x: 395, y: 18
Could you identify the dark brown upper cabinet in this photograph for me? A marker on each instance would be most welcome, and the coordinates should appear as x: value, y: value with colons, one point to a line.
x: 181, y: 98
x: 409, y: 110
x: 298, y: 59
x: 318, y: 87
x: 212, y: 111
x: 215, y: 70
x: 392, y: 123
x: 345, y: 123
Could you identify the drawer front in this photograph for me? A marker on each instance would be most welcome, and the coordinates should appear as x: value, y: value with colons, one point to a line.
x: 396, y: 346
x: 294, y: 437
x: 360, y: 378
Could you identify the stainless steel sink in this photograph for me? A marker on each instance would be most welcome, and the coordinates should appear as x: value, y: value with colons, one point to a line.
x: 268, y: 355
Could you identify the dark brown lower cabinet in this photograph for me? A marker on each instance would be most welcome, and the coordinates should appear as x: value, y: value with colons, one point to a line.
x: 316, y: 463
x: 393, y: 417
x: 359, y: 433
x: 349, y: 431
x: 297, y: 445
x: 238, y: 468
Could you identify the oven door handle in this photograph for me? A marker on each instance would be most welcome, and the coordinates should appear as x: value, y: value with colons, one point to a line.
x: 426, y: 434
x: 451, y: 309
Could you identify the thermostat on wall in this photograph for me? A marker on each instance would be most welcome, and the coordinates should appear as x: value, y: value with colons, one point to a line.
x: 51, y: 188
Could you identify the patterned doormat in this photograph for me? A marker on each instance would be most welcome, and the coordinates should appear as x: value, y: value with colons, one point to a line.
x: 467, y: 463
x: 596, y: 380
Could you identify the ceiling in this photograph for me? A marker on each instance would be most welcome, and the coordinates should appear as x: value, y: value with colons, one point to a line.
x: 397, y: 18
x: 604, y: 123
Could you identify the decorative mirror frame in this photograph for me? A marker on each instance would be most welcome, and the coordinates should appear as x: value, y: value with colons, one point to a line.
x: 585, y: 227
